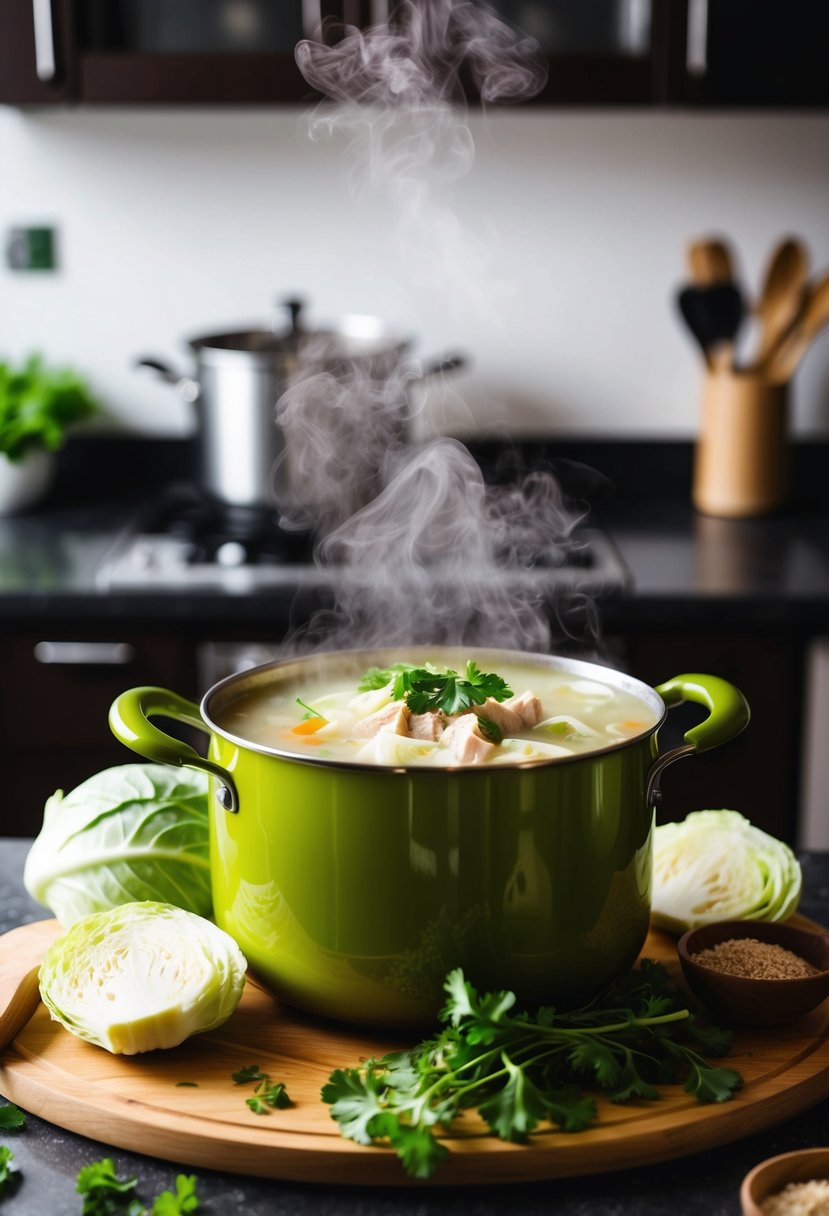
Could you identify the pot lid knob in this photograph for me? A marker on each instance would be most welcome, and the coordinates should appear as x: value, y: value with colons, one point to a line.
x: 294, y: 307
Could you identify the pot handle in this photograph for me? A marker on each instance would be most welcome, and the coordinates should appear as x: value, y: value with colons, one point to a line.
x: 441, y: 365
x: 189, y: 388
x: 129, y: 721
x: 728, y: 715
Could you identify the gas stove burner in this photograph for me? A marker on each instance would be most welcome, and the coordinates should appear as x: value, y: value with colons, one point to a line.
x: 203, y: 516
x: 186, y: 538
x: 234, y: 536
x: 188, y: 541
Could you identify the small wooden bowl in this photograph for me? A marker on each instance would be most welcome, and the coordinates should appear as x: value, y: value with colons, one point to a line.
x: 775, y: 1173
x: 750, y: 1002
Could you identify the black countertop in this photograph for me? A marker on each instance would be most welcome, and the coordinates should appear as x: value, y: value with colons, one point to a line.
x: 768, y: 571
x: 700, y: 1185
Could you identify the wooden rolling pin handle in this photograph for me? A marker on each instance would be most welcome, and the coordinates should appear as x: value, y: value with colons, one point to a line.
x: 19, y: 992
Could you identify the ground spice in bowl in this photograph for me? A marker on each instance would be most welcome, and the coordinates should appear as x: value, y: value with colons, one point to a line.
x: 754, y: 960
x: 799, y: 1199
x: 756, y: 973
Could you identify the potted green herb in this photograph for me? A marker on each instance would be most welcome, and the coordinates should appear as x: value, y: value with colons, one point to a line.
x: 38, y: 405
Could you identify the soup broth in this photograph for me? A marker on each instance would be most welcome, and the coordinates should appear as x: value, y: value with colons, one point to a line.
x: 430, y: 715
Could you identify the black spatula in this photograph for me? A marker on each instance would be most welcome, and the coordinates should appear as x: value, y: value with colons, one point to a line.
x: 713, y: 315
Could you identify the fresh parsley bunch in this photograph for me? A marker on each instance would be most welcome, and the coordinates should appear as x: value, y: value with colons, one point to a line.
x: 38, y: 405
x: 425, y: 688
x: 519, y: 1070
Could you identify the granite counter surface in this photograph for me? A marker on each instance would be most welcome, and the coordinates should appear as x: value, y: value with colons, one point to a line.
x: 700, y: 1185
x: 764, y: 572
x: 699, y: 569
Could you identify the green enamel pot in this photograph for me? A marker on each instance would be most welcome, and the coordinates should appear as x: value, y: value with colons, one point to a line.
x: 353, y: 888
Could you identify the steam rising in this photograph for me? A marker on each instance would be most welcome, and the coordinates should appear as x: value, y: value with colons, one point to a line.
x: 420, y: 548
x: 343, y: 428
x: 400, y: 112
x: 439, y: 556
x: 417, y: 58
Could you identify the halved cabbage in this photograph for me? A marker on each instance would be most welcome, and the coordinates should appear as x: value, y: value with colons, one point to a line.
x: 142, y: 976
x: 716, y: 865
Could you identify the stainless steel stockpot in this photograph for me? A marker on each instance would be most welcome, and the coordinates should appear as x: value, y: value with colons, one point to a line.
x: 241, y: 375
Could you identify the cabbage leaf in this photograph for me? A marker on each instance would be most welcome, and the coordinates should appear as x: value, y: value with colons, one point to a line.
x: 133, y: 832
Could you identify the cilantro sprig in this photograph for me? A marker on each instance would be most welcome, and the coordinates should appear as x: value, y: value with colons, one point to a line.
x: 268, y: 1095
x: 250, y: 1072
x: 520, y: 1070
x: 12, y: 1117
x: 379, y: 677
x: 105, y: 1194
x: 426, y: 688
x: 179, y: 1202
x: 9, y: 1175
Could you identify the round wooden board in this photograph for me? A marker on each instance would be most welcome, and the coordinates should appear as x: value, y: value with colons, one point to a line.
x: 137, y: 1103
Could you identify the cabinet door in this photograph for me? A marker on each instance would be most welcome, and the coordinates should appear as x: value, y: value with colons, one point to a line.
x: 193, y: 51
x: 36, y: 64
x: 601, y: 53
x: 757, y: 53
x: 55, y: 692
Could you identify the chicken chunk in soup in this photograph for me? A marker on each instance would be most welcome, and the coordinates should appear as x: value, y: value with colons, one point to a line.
x: 433, y: 715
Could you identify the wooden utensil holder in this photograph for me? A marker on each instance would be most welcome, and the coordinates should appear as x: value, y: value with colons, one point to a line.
x: 741, y: 464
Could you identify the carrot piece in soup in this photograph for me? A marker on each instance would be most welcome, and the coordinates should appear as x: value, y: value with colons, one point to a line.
x: 309, y: 726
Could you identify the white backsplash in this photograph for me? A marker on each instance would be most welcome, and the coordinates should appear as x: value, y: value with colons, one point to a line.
x: 558, y: 284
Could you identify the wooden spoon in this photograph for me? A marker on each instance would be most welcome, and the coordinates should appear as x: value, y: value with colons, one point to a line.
x: 782, y: 294
x: 710, y: 261
x: 780, y: 364
x: 19, y: 993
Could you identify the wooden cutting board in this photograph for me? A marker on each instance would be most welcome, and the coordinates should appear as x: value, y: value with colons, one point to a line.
x: 138, y: 1103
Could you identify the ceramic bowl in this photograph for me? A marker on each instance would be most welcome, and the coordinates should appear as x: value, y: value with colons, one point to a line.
x: 24, y: 482
x: 773, y: 1174
x: 751, y: 1002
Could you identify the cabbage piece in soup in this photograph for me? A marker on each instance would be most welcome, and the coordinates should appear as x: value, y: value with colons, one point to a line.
x: 432, y: 715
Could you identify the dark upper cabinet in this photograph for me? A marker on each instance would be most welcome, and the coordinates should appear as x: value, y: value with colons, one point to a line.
x: 757, y: 53
x: 606, y: 52
x: 597, y: 52
x: 36, y: 52
x: 717, y: 53
x: 193, y: 51
x: 162, y: 51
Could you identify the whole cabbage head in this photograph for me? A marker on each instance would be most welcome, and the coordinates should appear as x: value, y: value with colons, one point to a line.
x: 133, y: 832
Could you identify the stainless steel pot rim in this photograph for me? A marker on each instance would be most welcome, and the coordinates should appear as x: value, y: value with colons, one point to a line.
x: 233, y: 686
x: 352, y: 337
